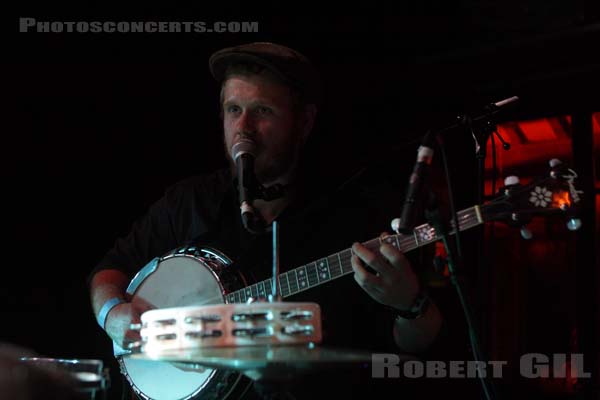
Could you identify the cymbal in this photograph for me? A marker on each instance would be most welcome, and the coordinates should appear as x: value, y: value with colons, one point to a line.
x: 262, y: 362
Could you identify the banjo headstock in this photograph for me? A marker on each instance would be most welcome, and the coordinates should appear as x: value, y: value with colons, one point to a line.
x: 556, y: 193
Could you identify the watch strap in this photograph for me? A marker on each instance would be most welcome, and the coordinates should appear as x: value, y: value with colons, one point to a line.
x: 417, y: 309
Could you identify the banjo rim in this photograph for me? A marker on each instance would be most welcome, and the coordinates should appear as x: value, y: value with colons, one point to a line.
x: 198, y: 254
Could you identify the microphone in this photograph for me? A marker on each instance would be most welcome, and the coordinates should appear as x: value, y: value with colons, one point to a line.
x: 415, y: 183
x: 506, y: 102
x: 243, y: 154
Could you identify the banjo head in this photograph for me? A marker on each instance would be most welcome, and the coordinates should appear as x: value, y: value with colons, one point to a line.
x: 179, y: 281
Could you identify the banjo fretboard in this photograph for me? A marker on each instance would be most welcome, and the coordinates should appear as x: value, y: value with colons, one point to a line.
x: 337, y: 265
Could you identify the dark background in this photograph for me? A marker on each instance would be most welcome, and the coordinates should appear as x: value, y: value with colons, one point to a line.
x: 96, y: 126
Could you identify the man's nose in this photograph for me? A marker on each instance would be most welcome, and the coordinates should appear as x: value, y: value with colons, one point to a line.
x: 246, y: 122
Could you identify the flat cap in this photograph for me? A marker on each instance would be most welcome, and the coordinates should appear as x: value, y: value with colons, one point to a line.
x: 288, y: 64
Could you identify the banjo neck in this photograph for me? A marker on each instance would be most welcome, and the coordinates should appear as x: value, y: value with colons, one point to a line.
x: 338, y: 264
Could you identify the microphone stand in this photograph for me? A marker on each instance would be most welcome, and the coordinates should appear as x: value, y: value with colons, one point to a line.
x: 274, y: 389
x: 275, y: 294
x: 433, y: 217
x: 432, y: 211
x: 481, y: 137
x: 481, y: 133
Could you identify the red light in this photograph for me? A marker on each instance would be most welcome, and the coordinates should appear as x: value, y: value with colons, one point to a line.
x: 561, y: 199
x: 539, y: 130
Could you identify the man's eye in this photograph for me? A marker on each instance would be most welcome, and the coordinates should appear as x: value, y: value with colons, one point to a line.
x: 264, y: 110
x: 233, y: 109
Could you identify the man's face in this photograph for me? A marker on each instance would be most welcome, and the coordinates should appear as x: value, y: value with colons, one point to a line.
x: 262, y: 110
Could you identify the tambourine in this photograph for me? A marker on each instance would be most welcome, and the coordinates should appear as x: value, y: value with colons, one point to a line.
x: 229, y: 325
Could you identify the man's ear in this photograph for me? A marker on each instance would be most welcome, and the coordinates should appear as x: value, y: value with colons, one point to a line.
x: 309, y: 116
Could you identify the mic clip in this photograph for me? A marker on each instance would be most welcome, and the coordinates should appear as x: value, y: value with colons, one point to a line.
x: 256, y: 190
x: 270, y: 193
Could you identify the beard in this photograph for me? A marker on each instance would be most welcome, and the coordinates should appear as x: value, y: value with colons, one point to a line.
x: 272, y: 167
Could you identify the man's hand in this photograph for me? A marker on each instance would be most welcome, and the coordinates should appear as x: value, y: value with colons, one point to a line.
x: 394, y: 284
x: 118, y: 324
x: 109, y: 284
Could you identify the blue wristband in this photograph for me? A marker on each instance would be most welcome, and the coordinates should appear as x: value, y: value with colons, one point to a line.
x: 109, y: 305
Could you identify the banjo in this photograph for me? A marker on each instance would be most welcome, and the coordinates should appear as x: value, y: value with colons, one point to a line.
x: 193, y: 275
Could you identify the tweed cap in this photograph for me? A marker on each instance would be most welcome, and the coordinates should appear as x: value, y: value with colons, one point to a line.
x: 288, y: 64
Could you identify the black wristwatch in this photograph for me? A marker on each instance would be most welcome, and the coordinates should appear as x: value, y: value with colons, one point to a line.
x: 418, y: 308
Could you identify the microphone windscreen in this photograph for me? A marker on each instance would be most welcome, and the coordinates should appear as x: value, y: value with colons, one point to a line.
x: 243, y: 146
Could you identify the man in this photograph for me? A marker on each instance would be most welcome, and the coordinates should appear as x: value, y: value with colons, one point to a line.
x: 269, y: 95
